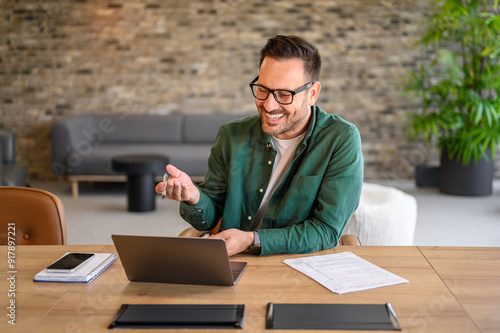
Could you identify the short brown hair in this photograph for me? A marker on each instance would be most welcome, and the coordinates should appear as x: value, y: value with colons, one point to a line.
x: 288, y: 47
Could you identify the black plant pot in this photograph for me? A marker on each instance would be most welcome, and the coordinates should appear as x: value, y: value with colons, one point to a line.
x: 426, y: 176
x: 475, y: 179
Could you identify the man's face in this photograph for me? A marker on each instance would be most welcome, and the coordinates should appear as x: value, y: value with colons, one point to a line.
x: 285, y: 121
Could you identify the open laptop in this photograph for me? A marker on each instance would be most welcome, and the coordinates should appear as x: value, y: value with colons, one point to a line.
x: 177, y: 260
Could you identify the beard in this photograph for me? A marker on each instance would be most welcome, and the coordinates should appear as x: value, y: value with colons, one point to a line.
x: 289, y: 123
x: 270, y: 128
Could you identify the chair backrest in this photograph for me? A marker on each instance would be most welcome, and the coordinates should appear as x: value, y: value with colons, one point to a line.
x: 31, y: 217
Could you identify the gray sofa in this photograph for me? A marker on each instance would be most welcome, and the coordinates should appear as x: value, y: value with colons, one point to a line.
x: 83, y: 145
x: 11, y: 173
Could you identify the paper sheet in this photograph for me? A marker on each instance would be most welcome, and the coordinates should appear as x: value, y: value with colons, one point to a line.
x: 344, y: 272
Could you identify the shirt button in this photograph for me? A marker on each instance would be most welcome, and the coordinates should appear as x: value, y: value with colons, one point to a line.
x: 261, y: 190
x: 269, y: 162
x: 249, y: 218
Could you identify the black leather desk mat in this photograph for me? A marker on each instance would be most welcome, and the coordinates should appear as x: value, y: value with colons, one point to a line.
x: 217, y: 316
x: 332, y: 316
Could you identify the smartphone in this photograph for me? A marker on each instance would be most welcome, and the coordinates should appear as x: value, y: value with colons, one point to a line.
x: 69, y: 263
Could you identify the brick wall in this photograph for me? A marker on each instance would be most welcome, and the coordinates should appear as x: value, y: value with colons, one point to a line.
x: 62, y: 57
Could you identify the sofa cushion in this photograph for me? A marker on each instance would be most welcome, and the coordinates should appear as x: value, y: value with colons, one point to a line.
x: 191, y: 159
x: 96, y: 128
x: 204, y: 128
x: 144, y: 128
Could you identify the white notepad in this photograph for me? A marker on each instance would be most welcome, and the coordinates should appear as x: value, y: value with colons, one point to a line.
x: 85, y: 274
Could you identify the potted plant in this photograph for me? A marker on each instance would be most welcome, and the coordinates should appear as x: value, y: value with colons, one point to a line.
x: 459, y: 93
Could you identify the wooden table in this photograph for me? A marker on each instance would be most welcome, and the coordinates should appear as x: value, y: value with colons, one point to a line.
x: 451, y: 289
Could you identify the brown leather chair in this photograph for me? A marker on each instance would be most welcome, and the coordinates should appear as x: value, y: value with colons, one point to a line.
x: 192, y: 232
x: 37, y: 215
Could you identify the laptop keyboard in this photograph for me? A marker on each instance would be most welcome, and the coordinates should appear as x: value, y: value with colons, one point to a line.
x: 235, y: 274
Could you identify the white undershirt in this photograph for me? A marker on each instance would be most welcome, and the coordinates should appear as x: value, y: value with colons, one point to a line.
x: 285, y: 150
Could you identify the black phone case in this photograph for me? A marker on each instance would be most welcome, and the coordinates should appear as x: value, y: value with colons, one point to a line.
x: 59, y: 263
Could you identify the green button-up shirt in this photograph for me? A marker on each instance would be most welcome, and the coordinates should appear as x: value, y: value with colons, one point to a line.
x: 313, y: 203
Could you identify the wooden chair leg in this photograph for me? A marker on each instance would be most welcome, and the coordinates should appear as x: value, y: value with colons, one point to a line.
x: 74, y: 189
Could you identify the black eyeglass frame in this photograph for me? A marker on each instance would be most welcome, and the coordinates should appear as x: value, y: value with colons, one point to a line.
x: 273, y: 91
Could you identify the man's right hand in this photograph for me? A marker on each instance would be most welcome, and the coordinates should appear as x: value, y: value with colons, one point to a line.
x: 179, y: 187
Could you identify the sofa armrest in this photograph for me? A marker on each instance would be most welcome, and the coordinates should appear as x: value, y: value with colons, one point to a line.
x: 11, y: 173
x: 8, y: 145
x: 69, y: 135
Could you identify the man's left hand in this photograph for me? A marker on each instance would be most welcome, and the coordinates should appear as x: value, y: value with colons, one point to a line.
x: 236, y: 240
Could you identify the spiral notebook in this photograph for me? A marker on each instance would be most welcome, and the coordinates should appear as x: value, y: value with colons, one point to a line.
x: 85, y: 274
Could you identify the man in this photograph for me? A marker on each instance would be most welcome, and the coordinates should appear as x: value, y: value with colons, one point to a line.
x: 286, y: 180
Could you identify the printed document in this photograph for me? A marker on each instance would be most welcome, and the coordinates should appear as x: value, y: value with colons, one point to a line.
x: 344, y: 272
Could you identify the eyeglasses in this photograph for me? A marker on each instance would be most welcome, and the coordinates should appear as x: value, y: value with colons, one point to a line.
x: 281, y: 96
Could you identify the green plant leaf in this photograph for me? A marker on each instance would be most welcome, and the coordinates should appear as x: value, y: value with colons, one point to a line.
x: 479, y: 113
x: 459, y: 89
x: 486, y: 144
x: 490, y: 113
x: 487, y: 51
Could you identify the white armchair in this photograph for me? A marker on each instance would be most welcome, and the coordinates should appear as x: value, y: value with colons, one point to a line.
x: 385, y: 216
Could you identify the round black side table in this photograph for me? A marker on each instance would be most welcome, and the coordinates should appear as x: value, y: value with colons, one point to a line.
x: 140, y: 170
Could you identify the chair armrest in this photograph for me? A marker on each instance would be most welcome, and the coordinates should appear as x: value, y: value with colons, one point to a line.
x: 192, y: 232
x: 349, y: 240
